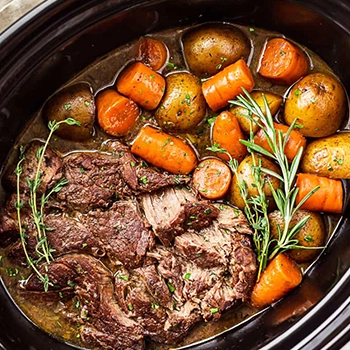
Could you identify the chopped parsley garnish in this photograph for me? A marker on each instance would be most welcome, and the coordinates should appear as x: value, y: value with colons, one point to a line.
x: 144, y: 180
x: 187, y: 276
x: 124, y: 278
x: 171, y: 287
x: 171, y: 65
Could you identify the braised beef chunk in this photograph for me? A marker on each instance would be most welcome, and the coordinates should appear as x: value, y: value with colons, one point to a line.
x: 93, y: 180
x: 181, y: 320
x: 156, y: 285
x: 123, y: 232
x: 8, y: 229
x: 173, y: 210
x: 60, y: 277
x: 51, y: 168
x: 64, y: 235
x: 202, y: 252
x: 232, y: 220
x: 103, y: 321
x: 142, y: 179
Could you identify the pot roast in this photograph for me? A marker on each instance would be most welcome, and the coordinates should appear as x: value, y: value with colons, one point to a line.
x: 141, y: 259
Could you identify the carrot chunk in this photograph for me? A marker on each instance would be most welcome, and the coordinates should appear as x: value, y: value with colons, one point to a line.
x: 227, y: 84
x: 283, y: 62
x: 226, y: 133
x: 280, y: 277
x: 164, y: 151
x: 152, y: 52
x: 294, y: 142
x: 116, y: 114
x: 328, y: 198
x: 142, y: 85
x: 212, y: 178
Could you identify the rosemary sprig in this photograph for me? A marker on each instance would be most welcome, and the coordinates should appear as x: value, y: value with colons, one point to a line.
x: 284, y: 198
x: 256, y: 207
x: 42, y: 249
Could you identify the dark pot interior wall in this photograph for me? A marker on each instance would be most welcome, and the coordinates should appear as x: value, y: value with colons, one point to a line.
x: 43, y: 51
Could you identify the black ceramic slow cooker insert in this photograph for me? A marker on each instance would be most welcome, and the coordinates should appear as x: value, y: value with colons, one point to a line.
x: 59, y: 38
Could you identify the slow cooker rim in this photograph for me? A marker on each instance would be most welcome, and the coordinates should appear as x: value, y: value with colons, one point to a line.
x: 342, y: 312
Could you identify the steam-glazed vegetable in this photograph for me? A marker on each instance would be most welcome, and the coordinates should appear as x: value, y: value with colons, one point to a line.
x: 274, y: 102
x: 318, y: 103
x: 281, y: 276
x: 210, y: 48
x: 74, y: 101
x: 328, y: 157
x: 227, y: 84
x: 283, y: 62
x: 212, y: 178
x: 142, y: 85
x: 152, y: 52
x: 116, y: 114
x: 227, y: 134
x: 183, y: 106
x: 327, y: 198
x: 164, y: 151
x: 244, y: 174
x: 312, y: 234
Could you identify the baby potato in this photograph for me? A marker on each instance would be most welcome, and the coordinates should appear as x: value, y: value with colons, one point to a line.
x: 74, y: 101
x: 210, y: 48
x: 312, y: 234
x: 274, y: 101
x: 245, y: 174
x: 183, y: 106
x: 328, y: 157
x: 318, y: 103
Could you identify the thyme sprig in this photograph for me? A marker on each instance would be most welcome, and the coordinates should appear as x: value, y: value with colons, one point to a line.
x: 42, y: 249
x: 285, y: 198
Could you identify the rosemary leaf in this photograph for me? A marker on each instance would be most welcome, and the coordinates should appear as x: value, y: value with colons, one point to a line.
x: 255, y: 148
x: 272, y: 173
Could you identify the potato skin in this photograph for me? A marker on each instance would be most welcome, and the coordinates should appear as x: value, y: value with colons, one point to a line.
x: 74, y: 101
x: 312, y: 234
x: 328, y: 157
x: 183, y: 106
x: 210, y: 48
x: 274, y: 101
x: 318, y: 102
x: 245, y: 174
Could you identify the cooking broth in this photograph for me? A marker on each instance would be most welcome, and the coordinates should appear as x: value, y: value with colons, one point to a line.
x: 51, y: 315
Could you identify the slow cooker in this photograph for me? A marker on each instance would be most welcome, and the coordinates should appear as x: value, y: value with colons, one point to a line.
x: 59, y: 38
